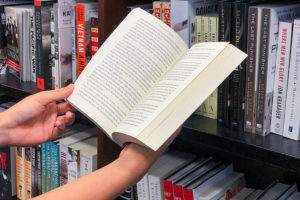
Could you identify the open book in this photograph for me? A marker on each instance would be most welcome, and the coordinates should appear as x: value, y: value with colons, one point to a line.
x: 144, y: 82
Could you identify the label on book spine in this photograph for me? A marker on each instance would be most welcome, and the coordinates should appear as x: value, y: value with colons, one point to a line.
x: 188, y: 194
x: 80, y: 26
x: 157, y: 9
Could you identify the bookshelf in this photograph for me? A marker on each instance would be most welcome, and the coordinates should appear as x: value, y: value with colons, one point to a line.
x: 263, y: 159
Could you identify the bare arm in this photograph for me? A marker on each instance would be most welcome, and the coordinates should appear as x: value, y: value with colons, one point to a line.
x: 110, y: 181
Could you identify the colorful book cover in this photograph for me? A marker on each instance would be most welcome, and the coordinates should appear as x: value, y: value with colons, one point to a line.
x: 5, y: 174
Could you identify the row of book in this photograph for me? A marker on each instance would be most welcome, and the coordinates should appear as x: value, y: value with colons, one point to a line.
x: 183, y: 176
x: 30, y: 171
x: 48, y: 43
x: 254, y: 97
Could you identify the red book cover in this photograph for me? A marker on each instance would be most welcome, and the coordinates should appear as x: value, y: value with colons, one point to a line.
x: 80, y: 30
x: 188, y: 194
x: 178, y: 192
x: 168, y: 190
x: 94, y: 35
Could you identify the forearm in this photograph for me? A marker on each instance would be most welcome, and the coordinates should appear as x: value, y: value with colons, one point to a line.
x: 105, y: 183
x: 4, y: 133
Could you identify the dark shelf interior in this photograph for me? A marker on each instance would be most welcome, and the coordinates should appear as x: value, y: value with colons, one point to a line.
x: 274, y: 149
x: 12, y: 86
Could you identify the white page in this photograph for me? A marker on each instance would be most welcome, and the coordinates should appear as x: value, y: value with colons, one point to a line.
x: 197, y: 58
x: 131, y: 61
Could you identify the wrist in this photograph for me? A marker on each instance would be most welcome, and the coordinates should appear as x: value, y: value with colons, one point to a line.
x: 4, y: 130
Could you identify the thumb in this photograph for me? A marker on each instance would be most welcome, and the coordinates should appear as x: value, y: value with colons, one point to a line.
x: 54, y: 95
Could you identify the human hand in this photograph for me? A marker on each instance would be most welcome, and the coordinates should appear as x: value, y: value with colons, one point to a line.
x: 37, y: 118
x: 138, y: 159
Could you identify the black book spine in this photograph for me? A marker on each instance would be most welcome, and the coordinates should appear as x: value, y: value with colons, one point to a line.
x: 33, y: 171
x: 262, y: 73
x: 39, y: 169
x: 43, y: 44
x: 237, y: 78
x: 249, y: 122
x: 225, y: 19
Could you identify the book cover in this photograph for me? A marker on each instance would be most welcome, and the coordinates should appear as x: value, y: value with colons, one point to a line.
x: 84, y: 12
x: 32, y: 47
x: 65, y: 17
x: 7, y: 184
x: 13, y: 35
x: 237, y: 78
x: 225, y: 35
x: 157, y: 6
x: 94, y: 35
x: 166, y: 13
x: 20, y: 173
x: 281, y: 76
x: 252, y: 67
x: 27, y: 172
x: 43, y: 44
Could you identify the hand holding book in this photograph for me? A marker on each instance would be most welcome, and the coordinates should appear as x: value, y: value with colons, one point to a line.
x: 144, y: 82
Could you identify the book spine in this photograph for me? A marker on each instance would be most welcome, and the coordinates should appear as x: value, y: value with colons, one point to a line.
x: 39, y: 169
x: 157, y: 6
x: 43, y: 49
x: 230, y: 190
x: 188, y: 194
x: 88, y: 163
x: 48, y: 166
x: 32, y: 47
x: 281, y: 77
x: 166, y: 13
x: 52, y: 168
x: 74, y: 46
x: 213, y: 98
x: 238, y: 76
x: 178, y: 192
x: 56, y: 167
x: 63, y: 152
x: 33, y: 172
x: 19, y: 172
x: 155, y: 188
x: 250, y: 70
x: 44, y: 163
x: 198, y: 29
x: 225, y: 23
x: 94, y: 35
x: 291, y: 122
x: 73, y: 165
x: 262, y: 73
x: 27, y: 172
x: 143, y: 188
x: 80, y: 31
x: 55, y: 41
x: 3, y: 41
x: 52, y: 57
x: 168, y: 190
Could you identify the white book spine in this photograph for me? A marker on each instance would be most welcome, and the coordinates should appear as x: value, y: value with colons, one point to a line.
x: 155, y: 188
x: 291, y: 122
x: 143, y: 188
x: 74, y: 50
x: 281, y: 77
x: 73, y: 171
x: 88, y: 163
x: 32, y: 47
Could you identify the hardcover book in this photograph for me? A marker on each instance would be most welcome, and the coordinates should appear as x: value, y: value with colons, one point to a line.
x: 160, y: 81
